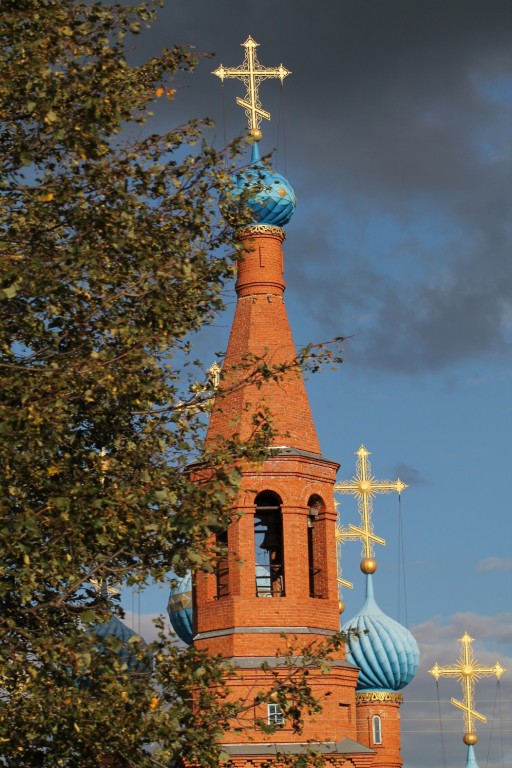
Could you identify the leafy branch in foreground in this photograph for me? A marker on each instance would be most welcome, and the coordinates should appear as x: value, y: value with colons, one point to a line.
x: 112, y: 255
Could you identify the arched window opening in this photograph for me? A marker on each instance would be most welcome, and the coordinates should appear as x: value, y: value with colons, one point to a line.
x: 222, y: 569
x: 315, y: 505
x: 377, y: 729
x: 268, y: 545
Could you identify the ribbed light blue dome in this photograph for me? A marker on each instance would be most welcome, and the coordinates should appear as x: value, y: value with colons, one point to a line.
x: 273, y: 201
x: 115, y: 628
x: 386, y: 652
x: 179, y: 608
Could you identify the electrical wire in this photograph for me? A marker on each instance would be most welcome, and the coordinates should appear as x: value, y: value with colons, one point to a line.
x: 402, y: 582
x: 501, y: 724
x: 223, y: 102
x: 443, y: 753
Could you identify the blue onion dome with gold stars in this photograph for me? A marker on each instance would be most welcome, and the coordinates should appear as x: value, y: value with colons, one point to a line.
x: 127, y: 653
x: 273, y: 200
x: 179, y: 608
x: 385, y: 652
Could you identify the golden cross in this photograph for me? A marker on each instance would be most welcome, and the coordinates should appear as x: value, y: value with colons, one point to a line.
x: 364, y: 486
x: 212, y: 383
x: 252, y: 73
x: 467, y: 671
x: 214, y: 373
x: 101, y: 586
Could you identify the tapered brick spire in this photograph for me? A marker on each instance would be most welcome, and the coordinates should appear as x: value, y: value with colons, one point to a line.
x: 261, y: 336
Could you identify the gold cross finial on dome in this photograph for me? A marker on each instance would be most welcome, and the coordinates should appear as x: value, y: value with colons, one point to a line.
x: 467, y: 671
x: 364, y: 487
x: 252, y: 73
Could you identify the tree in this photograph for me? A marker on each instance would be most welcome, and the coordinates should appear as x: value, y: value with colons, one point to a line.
x: 112, y: 256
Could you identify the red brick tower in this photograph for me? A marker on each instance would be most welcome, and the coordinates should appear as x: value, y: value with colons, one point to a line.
x: 281, y: 575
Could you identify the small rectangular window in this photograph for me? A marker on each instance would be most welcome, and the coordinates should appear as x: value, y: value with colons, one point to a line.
x: 275, y: 716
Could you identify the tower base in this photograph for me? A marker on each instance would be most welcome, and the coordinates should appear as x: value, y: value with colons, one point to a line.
x: 378, y: 726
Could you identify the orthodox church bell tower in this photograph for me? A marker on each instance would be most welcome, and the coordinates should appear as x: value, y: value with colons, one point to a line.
x: 280, y: 577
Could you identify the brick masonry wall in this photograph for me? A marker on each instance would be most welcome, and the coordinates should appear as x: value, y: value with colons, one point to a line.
x: 261, y: 329
x: 387, y: 754
x: 334, y: 691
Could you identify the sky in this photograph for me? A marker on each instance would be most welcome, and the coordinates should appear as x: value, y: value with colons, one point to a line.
x: 394, y: 129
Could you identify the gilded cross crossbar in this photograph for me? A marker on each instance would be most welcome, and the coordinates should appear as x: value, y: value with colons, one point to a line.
x: 101, y: 586
x: 252, y: 73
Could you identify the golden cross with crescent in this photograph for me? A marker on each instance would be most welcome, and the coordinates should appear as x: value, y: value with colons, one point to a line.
x: 467, y: 671
x: 251, y: 72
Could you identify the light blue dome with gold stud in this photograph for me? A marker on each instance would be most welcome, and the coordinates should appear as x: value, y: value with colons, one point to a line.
x: 179, y: 608
x: 385, y: 652
x: 273, y: 200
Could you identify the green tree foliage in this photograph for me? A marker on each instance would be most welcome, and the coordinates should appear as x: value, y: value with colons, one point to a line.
x: 112, y: 254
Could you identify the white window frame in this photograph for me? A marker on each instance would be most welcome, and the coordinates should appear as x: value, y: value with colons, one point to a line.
x: 377, y: 729
x: 274, y: 715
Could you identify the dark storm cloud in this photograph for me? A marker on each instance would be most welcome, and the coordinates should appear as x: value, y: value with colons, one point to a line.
x: 395, y: 109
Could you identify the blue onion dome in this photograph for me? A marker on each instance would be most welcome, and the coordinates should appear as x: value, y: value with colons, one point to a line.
x: 273, y: 201
x: 385, y: 652
x: 179, y: 608
x: 115, y: 628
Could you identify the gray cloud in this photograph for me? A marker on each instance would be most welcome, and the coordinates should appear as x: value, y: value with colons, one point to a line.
x: 495, y: 564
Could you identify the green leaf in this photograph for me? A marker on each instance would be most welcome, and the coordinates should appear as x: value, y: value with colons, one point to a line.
x: 10, y: 291
x: 88, y: 616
